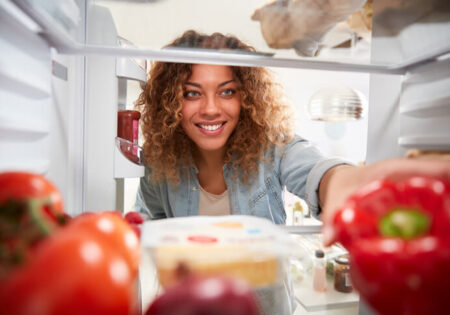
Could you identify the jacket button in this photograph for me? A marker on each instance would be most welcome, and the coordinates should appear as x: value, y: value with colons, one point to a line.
x: 194, y: 188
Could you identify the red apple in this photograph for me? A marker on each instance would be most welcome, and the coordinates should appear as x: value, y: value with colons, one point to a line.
x: 201, y: 295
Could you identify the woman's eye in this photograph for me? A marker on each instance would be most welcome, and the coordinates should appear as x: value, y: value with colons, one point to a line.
x: 191, y: 94
x: 228, y: 92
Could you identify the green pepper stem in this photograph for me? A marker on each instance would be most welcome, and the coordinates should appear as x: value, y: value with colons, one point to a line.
x: 404, y: 223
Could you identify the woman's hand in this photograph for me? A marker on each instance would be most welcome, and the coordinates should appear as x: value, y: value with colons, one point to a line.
x: 341, y: 181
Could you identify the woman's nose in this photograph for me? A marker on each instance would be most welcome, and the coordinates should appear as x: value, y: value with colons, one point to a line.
x: 210, y: 106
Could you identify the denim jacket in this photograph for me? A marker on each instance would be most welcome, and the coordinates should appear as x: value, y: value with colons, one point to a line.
x: 298, y: 166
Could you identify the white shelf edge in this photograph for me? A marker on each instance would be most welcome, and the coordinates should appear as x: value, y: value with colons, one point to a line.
x: 435, y: 108
x: 16, y: 131
x: 232, y: 59
x: 124, y: 168
x: 13, y: 79
x: 19, y: 16
x: 302, y: 229
x: 126, y: 68
x: 425, y: 142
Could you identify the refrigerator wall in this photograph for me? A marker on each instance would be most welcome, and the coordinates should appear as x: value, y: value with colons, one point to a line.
x: 42, y: 104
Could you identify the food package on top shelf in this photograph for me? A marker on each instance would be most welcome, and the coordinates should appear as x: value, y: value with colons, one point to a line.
x: 302, y: 24
x: 245, y: 247
x: 361, y: 20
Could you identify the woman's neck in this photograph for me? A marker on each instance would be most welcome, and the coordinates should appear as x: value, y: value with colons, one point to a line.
x: 209, y: 159
x: 210, y: 170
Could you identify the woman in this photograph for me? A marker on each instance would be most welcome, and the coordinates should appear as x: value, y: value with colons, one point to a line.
x: 218, y: 141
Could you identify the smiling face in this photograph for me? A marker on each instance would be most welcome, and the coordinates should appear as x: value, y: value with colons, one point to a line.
x: 211, y: 106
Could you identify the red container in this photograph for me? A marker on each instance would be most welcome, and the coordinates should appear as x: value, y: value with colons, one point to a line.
x: 128, y: 129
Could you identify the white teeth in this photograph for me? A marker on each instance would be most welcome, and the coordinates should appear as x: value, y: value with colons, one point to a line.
x: 210, y: 127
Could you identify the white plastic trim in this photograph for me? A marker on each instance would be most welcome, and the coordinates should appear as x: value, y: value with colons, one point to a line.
x: 124, y: 168
x: 128, y: 69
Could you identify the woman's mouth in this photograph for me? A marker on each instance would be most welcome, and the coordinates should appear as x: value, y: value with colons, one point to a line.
x: 211, y: 129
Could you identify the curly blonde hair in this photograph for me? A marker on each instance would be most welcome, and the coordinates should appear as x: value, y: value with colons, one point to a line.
x: 264, y: 116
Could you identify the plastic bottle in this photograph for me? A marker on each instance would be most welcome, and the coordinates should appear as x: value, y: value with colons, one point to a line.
x: 297, y: 214
x: 319, y: 271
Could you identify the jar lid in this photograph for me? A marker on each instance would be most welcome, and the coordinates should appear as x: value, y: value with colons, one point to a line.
x: 320, y: 253
x: 343, y: 260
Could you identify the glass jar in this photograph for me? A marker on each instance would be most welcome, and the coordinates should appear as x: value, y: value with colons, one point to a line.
x: 128, y: 125
x: 128, y: 129
x: 342, y: 281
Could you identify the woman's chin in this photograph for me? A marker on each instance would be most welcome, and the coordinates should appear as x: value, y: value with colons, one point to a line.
x: 211, y: 146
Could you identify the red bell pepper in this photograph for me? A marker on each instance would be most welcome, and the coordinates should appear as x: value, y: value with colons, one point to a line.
x: 398, y: 238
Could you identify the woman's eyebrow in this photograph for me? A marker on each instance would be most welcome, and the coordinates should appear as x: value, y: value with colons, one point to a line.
x: 199, y: 85
x: 194, y: 84
x: 225, y: 83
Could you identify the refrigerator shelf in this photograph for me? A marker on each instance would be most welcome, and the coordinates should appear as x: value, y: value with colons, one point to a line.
x: 302, y: 229
x: 427, y: 108
x: 331, y: 299
x: 17, y: 131
x: 59, y: 37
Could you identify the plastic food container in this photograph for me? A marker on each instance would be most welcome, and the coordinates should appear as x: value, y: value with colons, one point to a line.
x: 246, y: 247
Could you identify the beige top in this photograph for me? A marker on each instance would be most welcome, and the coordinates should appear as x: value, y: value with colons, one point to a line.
x: 211, y: 204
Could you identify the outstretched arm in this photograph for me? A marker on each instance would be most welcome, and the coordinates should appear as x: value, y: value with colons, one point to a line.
x: 341, y: 181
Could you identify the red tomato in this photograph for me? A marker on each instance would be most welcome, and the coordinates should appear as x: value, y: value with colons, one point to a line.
x: 134, y: 217
x: 76, y: 271
x: 30, y: 209
x: 23, y: 185
x: 112, y: 229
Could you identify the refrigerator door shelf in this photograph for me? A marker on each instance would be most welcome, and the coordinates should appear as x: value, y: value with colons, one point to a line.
x: 128, y: 159
x: 425, y: 91
x: 128, y: 69
x: 427, y: 108
x: 425, y: 142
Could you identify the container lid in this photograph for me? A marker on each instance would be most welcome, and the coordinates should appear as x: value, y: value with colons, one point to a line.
x: 343, y: 260
x: 217, y: 239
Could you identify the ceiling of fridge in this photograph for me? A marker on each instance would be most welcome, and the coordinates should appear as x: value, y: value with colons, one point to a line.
x: 386, y: 36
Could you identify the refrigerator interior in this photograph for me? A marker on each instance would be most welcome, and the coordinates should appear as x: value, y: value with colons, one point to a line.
x: 64, y: 75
